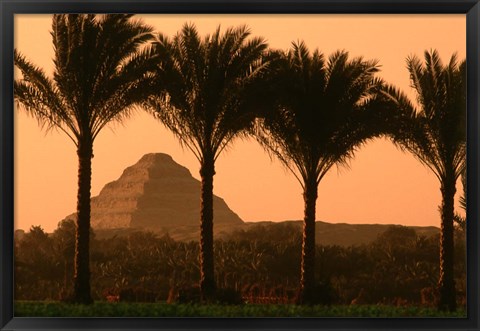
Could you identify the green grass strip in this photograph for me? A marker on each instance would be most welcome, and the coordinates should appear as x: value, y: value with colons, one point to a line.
x: 121, y: 309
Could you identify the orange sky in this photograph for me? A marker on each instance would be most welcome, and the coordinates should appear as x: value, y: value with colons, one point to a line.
x: 382, y: 184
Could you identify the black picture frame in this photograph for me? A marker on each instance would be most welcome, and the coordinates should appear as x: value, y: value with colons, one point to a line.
x: 8, y: 8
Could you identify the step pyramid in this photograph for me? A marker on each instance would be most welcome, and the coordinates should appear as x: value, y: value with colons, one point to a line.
x: 155, y: 194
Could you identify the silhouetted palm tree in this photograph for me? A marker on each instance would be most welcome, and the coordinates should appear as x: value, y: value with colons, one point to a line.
x: 435, y: 134
x: 100, y: 73
x: 319, y: 111
x: 206, y: 80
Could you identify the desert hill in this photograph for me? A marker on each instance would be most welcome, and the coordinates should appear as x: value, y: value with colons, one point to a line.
x: 341, y: 234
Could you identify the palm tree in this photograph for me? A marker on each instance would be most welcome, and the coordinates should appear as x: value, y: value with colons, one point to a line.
x: 435, y: 134
x: 206, y: 81
x: 100, y: 74
x: 318, y: 112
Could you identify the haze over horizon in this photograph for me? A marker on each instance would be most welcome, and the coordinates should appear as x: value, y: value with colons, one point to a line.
x: 382, y: 185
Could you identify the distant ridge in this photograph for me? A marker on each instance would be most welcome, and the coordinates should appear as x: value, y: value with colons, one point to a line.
x: 341, y: 234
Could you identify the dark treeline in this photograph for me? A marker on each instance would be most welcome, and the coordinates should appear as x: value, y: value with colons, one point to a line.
x: 398, y: 268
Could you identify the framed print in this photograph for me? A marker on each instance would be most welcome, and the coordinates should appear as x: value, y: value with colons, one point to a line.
x: 241, y: 165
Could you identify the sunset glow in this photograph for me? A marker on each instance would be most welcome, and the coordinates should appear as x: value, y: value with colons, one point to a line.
x: 381, y: 185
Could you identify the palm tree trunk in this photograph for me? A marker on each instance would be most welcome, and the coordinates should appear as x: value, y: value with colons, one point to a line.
x: 446, y: 282
x: 65, y: 274
x: 82, y: 243
x: 207, y: 280
x: 307, y: 279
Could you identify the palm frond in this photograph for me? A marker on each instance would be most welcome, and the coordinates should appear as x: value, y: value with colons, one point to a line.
x: 97, y: 78
x: 42, y: 99
x: 436, y: 133
x: 205, y: 81
x: 320, y: 111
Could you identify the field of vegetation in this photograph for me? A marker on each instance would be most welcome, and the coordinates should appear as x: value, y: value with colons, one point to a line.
x: 141, y: 274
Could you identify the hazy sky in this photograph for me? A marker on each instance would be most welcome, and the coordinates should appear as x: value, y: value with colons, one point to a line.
x: 381, y: 185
